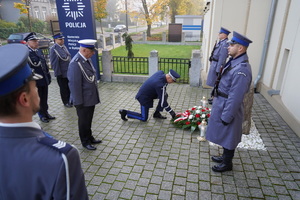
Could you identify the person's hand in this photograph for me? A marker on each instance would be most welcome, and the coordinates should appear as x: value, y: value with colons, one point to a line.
x: 172, y: 113
x: 79, y: 106
x: 224, y: 123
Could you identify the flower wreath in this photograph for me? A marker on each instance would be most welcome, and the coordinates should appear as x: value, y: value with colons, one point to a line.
x: 191, y: 118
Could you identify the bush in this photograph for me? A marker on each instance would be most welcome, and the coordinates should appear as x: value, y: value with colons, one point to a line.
x: 6, y: 28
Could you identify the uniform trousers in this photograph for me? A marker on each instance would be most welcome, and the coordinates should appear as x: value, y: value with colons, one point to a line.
x: 43, y: 94
x: 143, y: 116
x: 85, y: 117
x: 64, y: 89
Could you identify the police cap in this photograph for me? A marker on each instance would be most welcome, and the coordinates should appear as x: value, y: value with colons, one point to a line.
x: 88, y: 43
x: 239, y: 39
x: 30, y: 36
x: 58, y: 36
x: 14, y: 68
x: 174, y: 75
x: 224, y: 30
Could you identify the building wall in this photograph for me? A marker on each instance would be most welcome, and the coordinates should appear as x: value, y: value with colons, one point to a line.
x: 280, y: 72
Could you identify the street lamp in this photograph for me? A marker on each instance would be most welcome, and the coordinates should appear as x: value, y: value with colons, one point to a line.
x: 126, y: 15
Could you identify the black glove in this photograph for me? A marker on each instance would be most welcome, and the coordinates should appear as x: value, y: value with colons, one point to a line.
x: 79, y: 106
x: 224, y: 123
x: 172, y: 113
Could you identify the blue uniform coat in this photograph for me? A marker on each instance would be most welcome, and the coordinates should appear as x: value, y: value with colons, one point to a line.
x: 154, y: 88
x: 30, y: 169
x: 60, y: 59
x: 220, y: 54
x: 236, y: 83
x: 82, y: 82
x: 38, y: 62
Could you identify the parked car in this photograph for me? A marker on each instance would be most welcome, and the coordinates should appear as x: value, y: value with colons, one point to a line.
x: 43, y: 41
x: 120, y: 28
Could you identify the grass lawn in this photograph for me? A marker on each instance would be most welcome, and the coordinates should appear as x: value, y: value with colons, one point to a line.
x: 164, y: 51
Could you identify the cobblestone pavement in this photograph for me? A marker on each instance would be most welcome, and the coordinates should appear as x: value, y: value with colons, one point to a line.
x: 155, y: 160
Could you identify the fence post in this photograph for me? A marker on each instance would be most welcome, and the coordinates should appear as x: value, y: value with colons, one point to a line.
x: 183, y: 37
x: 107, y: 65
x: 120, y: 39
x: 112, y: 39
x: 153, y: 62
x: 102, y: 41
x: 196, y: 67
x: 164, y: 37
x: 144, y: 36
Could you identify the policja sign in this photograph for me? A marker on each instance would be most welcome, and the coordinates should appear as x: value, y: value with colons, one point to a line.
x: 76, y: 21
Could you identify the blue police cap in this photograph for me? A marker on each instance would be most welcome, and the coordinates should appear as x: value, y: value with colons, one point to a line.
x: 87, y: 43
x: 239, y: 39
x: 14, y: 68
x: 224, y: 30
x: 174, y: 75
x: 58, y: 36
x: 30, y: 36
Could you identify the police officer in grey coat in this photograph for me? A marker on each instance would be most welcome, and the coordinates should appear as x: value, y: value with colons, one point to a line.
x: 60, y: 59
x: 33, y: 165
x: 153, y: 88
x: 84, y: 91
x: 225, y: 123
x: 218, y: 58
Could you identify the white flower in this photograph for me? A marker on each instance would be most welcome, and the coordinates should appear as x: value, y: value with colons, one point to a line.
x: 191, y: 116
x: 198, y: 111
x: 203, y: 116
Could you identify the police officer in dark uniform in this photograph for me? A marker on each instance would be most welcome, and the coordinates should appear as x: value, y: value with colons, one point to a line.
x: 225, y: 123
x: 84, y: 91
x: 153, y: 88
x: 60, y: 59
x: 218, y: 58
x: 33, y: 165
x: 37, y: 61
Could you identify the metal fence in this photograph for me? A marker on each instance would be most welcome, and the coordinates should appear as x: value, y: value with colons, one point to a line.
x: 180, y: 65
x: 126, y: 65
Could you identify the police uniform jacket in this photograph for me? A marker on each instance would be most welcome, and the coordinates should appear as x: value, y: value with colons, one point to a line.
x: 83, y: 82
x: 220, y: 53
x: 34, y: 166
x: 154, y: 88
x: 37, y: 61
x: 60, y: 59
x: 235, y: 82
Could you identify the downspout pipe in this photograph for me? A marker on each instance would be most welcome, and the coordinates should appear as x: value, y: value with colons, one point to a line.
x: 266, y: 43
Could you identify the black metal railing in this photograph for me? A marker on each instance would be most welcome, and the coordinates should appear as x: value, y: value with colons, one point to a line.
x: 126, y: 65
x: 180, y: 65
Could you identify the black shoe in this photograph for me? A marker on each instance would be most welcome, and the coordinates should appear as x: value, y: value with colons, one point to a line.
x: 44, y: 119
x: 68, y: 105
x: 94, y: 141
x: 158, y: 116
x: 89, y: 147
x: 222, y: 167
x: 50, y: 117
x: 217, y: 159
x: 123, y: 114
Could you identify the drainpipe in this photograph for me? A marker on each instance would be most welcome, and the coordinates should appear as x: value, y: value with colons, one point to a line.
x: 266, y: 43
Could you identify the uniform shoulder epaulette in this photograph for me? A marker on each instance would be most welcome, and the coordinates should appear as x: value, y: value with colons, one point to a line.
x: 61, y: 146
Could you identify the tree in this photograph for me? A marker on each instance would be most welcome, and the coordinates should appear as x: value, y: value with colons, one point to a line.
x: 24, y: 9
x: 185, y: 7
x: 111, y: 9
x: 100, y: 11
x: 128, y: 44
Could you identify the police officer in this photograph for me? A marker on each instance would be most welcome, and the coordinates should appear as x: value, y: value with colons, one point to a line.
x: 37, y: 62
x: 153, y: 88
x: 84, y: 91
x: 60, y: 59
x: 225, y: 123
x: 33, y: 166
x: 218, y: 58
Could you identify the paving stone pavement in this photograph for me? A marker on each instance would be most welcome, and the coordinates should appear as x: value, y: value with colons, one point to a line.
x: 155, y: 160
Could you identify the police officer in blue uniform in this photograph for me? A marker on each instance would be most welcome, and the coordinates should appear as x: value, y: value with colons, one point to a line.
x: 218, y: 58
x: 84, y: 91
x: 153, y: 88
x: 38, y: 62
x: 33, y: 165
x: 60, y: 59
x: 225, y: 123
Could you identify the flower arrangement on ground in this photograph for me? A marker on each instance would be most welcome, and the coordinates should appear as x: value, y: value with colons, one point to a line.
x: 192, y: 118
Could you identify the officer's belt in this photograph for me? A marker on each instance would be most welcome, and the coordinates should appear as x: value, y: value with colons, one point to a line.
x: 221, y: 94
x: 213, y: 59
